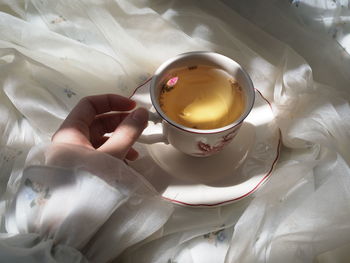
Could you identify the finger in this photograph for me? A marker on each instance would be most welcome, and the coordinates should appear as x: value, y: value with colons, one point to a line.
x: 132, y: 155
x: 77, y: 123
x: 88, y: 107
x: 126, y: 134
x: 72, y: 133
x: 103, y: 124
x: 97, y: 142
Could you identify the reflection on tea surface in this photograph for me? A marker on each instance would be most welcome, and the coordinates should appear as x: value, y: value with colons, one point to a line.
x: 202, y: 97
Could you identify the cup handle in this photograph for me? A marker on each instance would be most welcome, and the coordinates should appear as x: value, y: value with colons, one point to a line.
x: 150, y: 138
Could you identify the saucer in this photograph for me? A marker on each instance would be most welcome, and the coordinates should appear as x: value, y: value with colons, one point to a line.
x: 234, y: 173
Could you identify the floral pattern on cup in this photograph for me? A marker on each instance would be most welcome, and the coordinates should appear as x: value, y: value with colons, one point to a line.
x: 207, y: 149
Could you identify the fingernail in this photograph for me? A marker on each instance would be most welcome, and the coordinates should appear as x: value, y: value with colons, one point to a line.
x: 140, y: 115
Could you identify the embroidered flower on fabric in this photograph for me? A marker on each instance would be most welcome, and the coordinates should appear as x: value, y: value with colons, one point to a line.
x: 35, y: 192
x: 9, y: 155
x: 216, y: 237
x: 69, y: 92
x: 58, y: 19
x: 221, y: 236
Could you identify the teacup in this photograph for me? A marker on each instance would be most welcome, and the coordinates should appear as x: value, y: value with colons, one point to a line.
x: 196, y: 141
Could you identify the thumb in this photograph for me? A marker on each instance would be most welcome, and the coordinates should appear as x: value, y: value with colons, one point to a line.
x: 125, y: 135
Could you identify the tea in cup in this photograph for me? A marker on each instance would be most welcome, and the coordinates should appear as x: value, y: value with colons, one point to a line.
x: 202, y: 97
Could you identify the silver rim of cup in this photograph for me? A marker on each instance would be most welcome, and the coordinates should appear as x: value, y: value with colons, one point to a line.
x: 249, y: 90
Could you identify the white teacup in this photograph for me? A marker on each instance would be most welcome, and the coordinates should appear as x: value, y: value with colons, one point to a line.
x: 196, y: 142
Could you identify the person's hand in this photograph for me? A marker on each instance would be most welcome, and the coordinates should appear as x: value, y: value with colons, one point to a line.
x: 91, y: 119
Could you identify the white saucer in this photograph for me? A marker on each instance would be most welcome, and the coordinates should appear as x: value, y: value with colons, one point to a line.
x: 229, y: 176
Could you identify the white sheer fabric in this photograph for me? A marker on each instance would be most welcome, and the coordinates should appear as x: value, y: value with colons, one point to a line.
x: 52, y: 53
x: 71, y: 200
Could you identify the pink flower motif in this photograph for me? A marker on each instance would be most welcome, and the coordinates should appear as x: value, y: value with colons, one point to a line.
x: 204, y: 147
x: 207, y: 149
x: 171, y: 82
